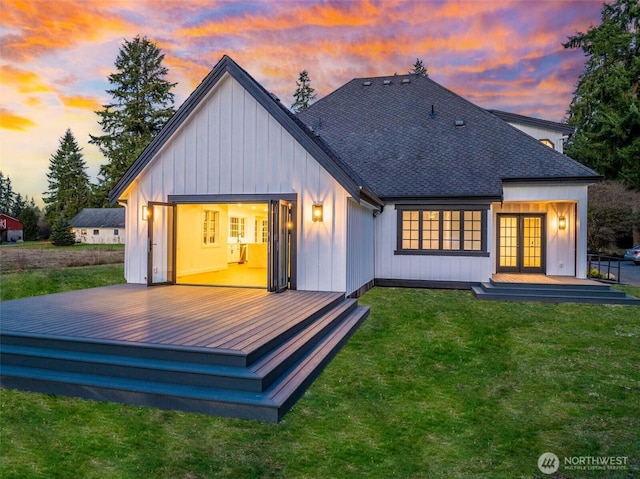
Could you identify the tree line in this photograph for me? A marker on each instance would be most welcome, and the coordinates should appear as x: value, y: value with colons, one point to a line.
x: 605, y: 112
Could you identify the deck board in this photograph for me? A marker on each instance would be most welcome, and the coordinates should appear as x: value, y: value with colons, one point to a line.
x: 238, y: 319
x: 541, y: 279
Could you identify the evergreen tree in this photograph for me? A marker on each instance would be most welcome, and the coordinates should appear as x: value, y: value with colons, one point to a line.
x: 29, y: 217
x: 419, y: 69
x: 304, y: 93
x: 142, y: 104
x: 19, y: 203
x: 6, y: 195
x: 69, y: 189
x: 61, y: 234
x: 606, y: 106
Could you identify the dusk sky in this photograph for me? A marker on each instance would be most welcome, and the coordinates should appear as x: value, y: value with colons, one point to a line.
x: 56, y: 56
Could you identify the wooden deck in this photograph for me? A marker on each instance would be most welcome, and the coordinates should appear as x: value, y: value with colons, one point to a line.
x: 541, y: 279
x: 238, y: 319
x: 235, y: 352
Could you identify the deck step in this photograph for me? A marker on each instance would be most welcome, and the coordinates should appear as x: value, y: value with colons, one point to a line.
x: 269, y: 405
x: 551, y: 293
x: 254, y: 378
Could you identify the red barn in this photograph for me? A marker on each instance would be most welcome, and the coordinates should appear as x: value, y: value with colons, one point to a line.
x: 10, y: 229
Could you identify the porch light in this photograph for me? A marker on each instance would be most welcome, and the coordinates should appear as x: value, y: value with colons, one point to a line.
x: 316, y: 211
x: 562, y: 222
x: 145, y: 213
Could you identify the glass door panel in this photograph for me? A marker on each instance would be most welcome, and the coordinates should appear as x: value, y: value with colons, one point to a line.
x: 508, y: 240
x: 532, y: 242
x: 279, y: 247
x: 160, y: 258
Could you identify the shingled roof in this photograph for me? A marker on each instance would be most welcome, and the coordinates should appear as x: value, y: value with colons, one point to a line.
x: 409, y: 137
x: 99, y: 218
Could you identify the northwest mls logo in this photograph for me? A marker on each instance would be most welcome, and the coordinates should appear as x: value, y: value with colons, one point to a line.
x: 548, y: 463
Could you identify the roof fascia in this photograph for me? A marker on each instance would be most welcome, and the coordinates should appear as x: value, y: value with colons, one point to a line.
x: 575, y: 180
x: 536, y: 122
x: 439, y: 200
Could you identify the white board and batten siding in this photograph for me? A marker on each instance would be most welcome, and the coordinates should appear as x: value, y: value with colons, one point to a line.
x: 231, y: 145
x: 566, y: 249
x: 468, y: 269
x: 360, y: 245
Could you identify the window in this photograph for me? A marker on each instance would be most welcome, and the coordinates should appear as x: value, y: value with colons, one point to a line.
x: 116, y: 232
x: 236, y: 227
x: 83, y: 232
x: 425, y: 231
x: 209, y: 227
x: 96, y: 232
x: 261, y: 231
x: 547, y: 142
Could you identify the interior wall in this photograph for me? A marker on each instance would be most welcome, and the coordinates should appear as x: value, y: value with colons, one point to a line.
x: 192, y: 255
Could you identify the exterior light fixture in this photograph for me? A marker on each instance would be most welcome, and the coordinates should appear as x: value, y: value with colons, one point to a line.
x: 146, y: 212
x: 562, y: 222
x: 316, y: 212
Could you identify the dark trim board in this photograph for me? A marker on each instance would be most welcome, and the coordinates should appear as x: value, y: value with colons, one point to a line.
x: 362, y: 289
x: 421, y: 283
x: 235, y: 198
x: 535, y: 122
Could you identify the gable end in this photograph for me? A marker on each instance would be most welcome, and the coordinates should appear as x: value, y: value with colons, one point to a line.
x: 315, y: 146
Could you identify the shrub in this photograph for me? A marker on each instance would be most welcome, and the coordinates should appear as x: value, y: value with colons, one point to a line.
x: 61, y: 234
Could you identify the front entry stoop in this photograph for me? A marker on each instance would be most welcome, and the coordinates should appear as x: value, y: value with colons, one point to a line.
x: 587, y: 292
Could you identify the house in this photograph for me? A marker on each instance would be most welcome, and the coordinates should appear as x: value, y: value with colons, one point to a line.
x: 549, y: 133
x: 10, y: 229
x: 99, y: 226
x: 391, y: 181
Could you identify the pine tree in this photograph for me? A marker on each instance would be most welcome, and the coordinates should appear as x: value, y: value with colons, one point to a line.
x: 69, y: 189
x: 419, y: 69
x: 6, y: 195
x: 29, y: 217
x: 61, y: 234
x: 19, y: 204
x: 606, y: 106
x: 304, y: 93
x: 142, y: 104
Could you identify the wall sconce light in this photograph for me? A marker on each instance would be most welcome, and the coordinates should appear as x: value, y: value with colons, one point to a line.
x: 146, y: 212
x: 316, y: 212
x: 562, y: 222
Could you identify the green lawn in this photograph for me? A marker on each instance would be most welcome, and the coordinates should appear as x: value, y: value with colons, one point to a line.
x: 55, y: 280
x: 48, y: 245
x: 434, y: 384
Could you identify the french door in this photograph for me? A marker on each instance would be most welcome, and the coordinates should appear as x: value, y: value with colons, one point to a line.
x: 160, y: 253
x: 279, y: 270
x: 521, y: 243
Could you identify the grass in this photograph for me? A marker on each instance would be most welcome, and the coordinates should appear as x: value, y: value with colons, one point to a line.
x: 48, y: 245
x: 434, y: 384
x: 56, y: 280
